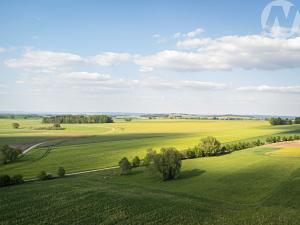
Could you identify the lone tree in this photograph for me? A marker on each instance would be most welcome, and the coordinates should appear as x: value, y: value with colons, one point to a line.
x: 9, y: 154
x: 136, y: 162
x: 15, y: 125
x: 61, y: 172
x: 125, y: 166
x: 210, y: 146
x: 168, y: 163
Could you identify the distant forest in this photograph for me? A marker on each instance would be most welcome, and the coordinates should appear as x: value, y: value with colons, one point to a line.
x: 78, y: 119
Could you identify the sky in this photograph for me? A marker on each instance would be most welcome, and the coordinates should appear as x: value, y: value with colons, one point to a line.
x: 158, y: 56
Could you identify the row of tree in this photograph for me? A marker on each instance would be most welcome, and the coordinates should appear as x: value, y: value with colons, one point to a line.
x: 8, y: 154
x: 77, y: 119
x: 6, y: 180
x: 281, y: 121
x: 43, y: 175
x: 275, y: 139
x: 168, y: 162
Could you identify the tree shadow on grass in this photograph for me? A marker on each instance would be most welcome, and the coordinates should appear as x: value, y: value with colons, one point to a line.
x: 190, y: 174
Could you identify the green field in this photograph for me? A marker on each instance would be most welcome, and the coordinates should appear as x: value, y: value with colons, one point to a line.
x: 253, y: 187
x: 90, y: 146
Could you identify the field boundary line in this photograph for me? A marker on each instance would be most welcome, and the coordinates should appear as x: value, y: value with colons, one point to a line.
x: 78, y: 173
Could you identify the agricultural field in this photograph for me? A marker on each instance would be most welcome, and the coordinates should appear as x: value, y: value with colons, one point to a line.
x: 92, y: 146
x: 254, y: 186
x: 243, y: 188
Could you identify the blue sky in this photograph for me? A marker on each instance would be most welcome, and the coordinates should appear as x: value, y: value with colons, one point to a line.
x: 206, y: 57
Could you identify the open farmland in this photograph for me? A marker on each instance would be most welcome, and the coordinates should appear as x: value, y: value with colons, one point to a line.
x: 91, y: 146
x: 244, y: 188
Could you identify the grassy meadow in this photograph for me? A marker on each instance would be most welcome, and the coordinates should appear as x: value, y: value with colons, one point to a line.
x: 91, y: 146
x: 243, y: 188
x: 254, y: 186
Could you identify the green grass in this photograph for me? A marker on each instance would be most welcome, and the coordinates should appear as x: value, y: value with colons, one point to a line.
x: 90, y: 146
x: 244, y: 188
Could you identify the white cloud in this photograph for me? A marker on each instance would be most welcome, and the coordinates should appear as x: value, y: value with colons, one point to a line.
x: 110, y: 58
x: 95, y: 81
x: 193, y: 43
x: 2, y: 50
x: 195, y: 33
x: 159, y: 39
x: 177, y: 35
x: 43, y: 60
x: 181, y: 61
x: 81, y: 76
x: 275, y: 89
x: 185, y: 84
x: 228, y: 52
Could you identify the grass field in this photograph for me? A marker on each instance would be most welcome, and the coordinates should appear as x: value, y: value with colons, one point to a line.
x: 243, y: 188
x: 90, y: 146
x: 255, y: 186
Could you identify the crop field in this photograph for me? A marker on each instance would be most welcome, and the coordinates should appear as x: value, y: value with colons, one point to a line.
x: 254, y: 186
x: 243, y: 188
x: 91, y: 146
x: 289, y: 149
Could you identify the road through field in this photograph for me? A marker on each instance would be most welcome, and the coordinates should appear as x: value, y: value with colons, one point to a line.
x: 32, y: 147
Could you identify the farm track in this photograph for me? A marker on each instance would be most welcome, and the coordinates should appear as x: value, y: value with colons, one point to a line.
x: 78, y: 173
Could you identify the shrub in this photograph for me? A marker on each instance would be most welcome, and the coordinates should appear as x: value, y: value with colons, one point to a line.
x: 136, y: 162
x: 190, y: 154
x: 9, y: 154
x: 284, y: 138
x: 278, y: 139
x: 17, y: 179
x: 280, y: 121
x: 61, y: 172
x: 15, y: 125
x: 4, y: 180
x: 149, y: 157
x: 125, y: 166
x: 210, y: 146
x: 168, y: 163
x: 44, y: 176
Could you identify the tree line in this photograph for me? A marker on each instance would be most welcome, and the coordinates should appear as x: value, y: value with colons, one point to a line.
x: 281, y: 121
x: 167, y: 163
x: 77, y: 119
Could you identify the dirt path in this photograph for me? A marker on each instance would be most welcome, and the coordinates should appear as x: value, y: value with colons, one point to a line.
x: 82, y: 172
x: 32, y: 147
x: 288, y: 144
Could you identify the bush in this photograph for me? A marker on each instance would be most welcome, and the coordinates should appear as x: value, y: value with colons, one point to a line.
x: 280, y: 121
x: 168, y: 163
x: 149, y: 157
x: 44, y: 176
x: 125, y: 166
x: 4, y: 180
x: 61, y: 172
x: 17, y: 179
x: 136, y: 162
x: 291, y: 138
x: 210, y: 146
x: 9, y: 154
x: 190, y: 154
x: 284, y: 138
x: 15, y: 125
